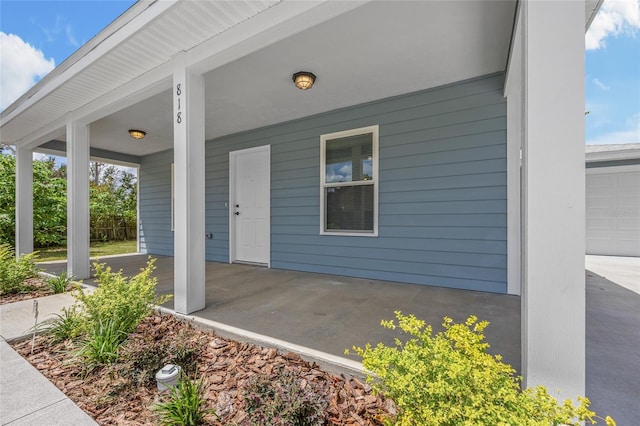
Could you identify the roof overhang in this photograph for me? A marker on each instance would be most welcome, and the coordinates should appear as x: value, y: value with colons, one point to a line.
x: 616, y: 152
x: 247, y: 51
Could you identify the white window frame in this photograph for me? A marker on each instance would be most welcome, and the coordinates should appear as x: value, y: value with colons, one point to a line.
x: 374, y: 131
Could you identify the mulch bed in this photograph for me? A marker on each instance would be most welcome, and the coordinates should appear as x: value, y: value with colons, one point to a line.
x: 37, y: 287
x: 112, y: 397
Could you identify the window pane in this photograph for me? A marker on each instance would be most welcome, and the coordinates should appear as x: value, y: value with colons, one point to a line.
x: 349, y: 159
x: 349, y: 208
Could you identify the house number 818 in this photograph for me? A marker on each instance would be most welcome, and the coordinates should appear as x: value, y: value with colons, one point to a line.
x: 179, y: 113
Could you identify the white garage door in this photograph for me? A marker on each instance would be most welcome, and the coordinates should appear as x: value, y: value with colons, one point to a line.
x: 613, y: 211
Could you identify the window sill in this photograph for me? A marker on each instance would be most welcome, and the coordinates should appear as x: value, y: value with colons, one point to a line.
x: 350, y: 234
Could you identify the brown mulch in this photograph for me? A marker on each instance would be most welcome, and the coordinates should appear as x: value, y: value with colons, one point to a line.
x: 36, y: 287
x: 112, y: 397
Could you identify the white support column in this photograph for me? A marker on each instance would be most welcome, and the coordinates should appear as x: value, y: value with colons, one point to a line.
x: 24, y: 201
x: 189, y: 185
x: 553, y: 296
x: 78, y: 200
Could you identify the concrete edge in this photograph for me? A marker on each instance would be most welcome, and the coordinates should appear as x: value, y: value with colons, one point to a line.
x: 304, y: 351
x: 108, y: 256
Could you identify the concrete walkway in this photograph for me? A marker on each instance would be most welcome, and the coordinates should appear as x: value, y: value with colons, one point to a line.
x: 26, y: 396
x: 624, y: 271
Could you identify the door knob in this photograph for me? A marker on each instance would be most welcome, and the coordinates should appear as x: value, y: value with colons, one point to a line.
x: 237, y: 213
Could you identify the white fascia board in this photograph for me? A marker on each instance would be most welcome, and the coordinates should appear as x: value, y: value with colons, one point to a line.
x: 44, y: 134
x: 594, y: 5
x: 516, y: 37
x: 625, y: 154
x: 63, y: 154
x: 270, y: 26
x: 103, y: 45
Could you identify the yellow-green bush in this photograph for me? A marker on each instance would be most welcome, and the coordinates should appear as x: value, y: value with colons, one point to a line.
x: 449, y: 379
x: 15, y: 270
x: 112, y: 311
x: 124, y: 300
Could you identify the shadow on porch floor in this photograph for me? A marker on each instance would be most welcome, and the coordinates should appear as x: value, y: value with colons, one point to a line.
x: 326, y: 312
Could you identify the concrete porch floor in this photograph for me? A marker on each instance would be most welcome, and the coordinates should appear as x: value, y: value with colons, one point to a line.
x: 326, y: 312
x: 331, y: 313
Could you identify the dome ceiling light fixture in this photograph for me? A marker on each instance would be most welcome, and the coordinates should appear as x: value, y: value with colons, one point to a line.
x: 137, y: 134
x: 304, y: 80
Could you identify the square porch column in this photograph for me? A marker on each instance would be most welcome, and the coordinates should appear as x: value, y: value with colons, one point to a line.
x: 24, y: 201
x: 553, y: 293
x: 78, y: 200
x: 189, y: 188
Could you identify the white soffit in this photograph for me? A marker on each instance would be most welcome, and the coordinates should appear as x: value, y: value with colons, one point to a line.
x: 150, y: 39
x: 378, y: 50
x: 373, y: 51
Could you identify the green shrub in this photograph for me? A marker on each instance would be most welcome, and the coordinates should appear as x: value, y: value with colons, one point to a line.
x: 113, y: 310
x: 14, y: 271
x: 285, y: 400
x: 67, y: 325
x: 450, y: 379
x: 125, y: 300
x: 101, y: 345
x: 186, y: 405
x: 61, y: 283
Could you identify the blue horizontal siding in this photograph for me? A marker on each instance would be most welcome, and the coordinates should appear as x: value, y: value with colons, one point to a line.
x: 156, y: 236
x: 442, y: 190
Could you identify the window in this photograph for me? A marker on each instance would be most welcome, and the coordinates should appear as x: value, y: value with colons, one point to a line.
x: 349, y: 182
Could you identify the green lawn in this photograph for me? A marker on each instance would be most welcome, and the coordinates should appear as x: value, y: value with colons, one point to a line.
x: 98, y: 248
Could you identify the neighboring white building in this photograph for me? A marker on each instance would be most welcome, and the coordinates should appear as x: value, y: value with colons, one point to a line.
x: 445, y: 112
x: 613, y: 199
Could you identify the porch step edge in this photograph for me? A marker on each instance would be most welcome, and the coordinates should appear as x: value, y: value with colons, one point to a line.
x: 304, y: 351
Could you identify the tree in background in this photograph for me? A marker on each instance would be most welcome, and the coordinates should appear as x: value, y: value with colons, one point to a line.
x: 113, y: 201
x: 49, y: 201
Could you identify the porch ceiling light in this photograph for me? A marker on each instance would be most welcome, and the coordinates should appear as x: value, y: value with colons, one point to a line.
x: 304, y: 80
x: 137, y: 134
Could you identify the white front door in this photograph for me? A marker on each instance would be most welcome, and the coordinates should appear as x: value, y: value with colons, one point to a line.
x: 249, y: 189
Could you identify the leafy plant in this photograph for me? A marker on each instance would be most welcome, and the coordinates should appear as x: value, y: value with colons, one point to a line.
x: 67, y: 325
x: 186, y: 405
x: 125, y: 300
x: 287, y: 399
x: 101, y: 346
x: 450, y: 379
x: 14, y: 271
x: 113, y: 310
x: 60, y: 283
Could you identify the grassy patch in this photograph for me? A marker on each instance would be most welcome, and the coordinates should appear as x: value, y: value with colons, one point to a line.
x: 97, y: 248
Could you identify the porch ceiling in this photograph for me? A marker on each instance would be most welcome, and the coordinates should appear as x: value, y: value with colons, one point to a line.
x: 377, y: 50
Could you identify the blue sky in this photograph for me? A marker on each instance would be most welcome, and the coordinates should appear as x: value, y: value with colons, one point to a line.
x: 38, y: 35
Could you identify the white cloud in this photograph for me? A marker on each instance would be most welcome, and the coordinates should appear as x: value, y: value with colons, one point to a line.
x: 629, y: 135
x: 600, y: 84
x: 614, y: 18
x: 70, y: 38
x: 21, y: 65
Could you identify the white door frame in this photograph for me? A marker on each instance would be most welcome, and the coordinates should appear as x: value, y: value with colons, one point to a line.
x: 232, y: 199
